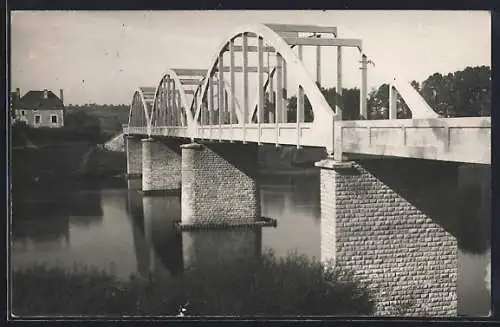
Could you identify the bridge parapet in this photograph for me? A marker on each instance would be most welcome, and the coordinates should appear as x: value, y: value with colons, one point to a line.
x: 465, y: 139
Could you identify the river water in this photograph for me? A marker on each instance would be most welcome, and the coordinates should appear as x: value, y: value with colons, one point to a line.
x: 117, y: 229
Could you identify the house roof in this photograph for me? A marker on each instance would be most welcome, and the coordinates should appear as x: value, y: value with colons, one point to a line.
x: 35, y: 100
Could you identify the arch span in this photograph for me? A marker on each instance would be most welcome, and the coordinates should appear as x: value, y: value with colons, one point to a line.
x: 140, y: 107
x: 186, y: 114
x: 323, y: 125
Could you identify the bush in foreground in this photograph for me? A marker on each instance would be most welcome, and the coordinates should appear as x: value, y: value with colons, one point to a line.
x: 257, y: 286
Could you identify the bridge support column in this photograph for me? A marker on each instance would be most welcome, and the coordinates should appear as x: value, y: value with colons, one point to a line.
x: 391, y: 222
x: 161, y: 166
x: 219, y: 184
x: 134, y: 157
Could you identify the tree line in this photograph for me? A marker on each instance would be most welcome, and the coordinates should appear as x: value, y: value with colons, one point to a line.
x: 465, y: 93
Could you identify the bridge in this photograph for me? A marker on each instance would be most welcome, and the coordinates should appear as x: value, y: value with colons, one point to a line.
x: 198, y: 132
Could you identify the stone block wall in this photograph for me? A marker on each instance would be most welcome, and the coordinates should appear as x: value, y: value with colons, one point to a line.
x: 392, y: 223
x: 219, y: 183
x: 161, y: 165
x: 134, y: 156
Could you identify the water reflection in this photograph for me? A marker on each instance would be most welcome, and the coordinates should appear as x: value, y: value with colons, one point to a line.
x: 208, y: 247
x: 135, y: 234
x: 294, y: 202
x: 474, y: 217
x: 474, y: 235
x: 162, y: 251
x: 47, y: 234
x: 165, y: 242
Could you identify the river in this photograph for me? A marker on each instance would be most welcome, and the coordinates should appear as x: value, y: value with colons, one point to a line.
x: 116, y: 228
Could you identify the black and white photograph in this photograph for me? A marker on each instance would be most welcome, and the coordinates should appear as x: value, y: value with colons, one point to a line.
x: 249, y: 164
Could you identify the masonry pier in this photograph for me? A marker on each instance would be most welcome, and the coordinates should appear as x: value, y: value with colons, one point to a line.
x: 391, y: 221
x: 219, y: 184
x: 134, y: 156
x: 161, y: 166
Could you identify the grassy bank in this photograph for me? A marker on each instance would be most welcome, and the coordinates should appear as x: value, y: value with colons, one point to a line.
x: 259, y: 286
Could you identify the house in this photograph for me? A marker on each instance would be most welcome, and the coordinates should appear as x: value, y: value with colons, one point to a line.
x: 39, y: 108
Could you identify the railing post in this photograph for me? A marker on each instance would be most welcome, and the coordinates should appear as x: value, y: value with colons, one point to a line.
x: 260, y: 85
x: 221, y: 94
x: 300, y: 109
x: 203, y: 113
x: 169, y: 101
x: 300, y: 105
x: 300, y: 113
x: 232, y: 79
x: 318, y: 64
x: 210, y: 104
x: 393, y: 109
x: 363, y: 92
x: 270, y: 77
x: 339, y: 83
x: 279, y: 96
x: 284, y: 115
x: 245, y: 84
x: 174, y: 104
x: 181, y: 110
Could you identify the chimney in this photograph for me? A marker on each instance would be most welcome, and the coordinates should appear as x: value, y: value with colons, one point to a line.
x: 18, y: 93
x: 45, y: 94
x: 61, y: 96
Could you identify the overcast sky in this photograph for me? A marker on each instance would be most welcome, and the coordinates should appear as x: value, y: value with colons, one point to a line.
x: 101, y: 57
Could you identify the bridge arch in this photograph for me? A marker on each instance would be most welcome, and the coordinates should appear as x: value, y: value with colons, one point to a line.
x: 164, y: 103
x: 140, y: 107
x: 323, y: 113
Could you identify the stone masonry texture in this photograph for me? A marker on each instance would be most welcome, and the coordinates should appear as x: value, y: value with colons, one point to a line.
x: 134, y: 156
x: 219, y: 183
x: 161, y: 165
x: 391, y: 222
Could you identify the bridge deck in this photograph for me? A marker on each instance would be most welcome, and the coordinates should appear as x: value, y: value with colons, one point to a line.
x: 448, y: 139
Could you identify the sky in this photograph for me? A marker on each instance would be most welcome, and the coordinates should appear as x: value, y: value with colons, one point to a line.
x: 103, y: 56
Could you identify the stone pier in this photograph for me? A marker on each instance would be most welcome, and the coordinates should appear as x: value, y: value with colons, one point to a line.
x: 134, y: 156
x: 161, y: 166
x: 391, y: 221
x: 219, y: 184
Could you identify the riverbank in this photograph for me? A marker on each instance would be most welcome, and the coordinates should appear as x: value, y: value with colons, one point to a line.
x: 252, y: 286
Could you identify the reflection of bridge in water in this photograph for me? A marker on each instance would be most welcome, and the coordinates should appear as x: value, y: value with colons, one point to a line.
x: 390, y: 190
x: 162, y: 250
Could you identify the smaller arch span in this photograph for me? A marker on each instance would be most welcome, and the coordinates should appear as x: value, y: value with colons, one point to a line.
x: 172, y: 73
x: 140, y: 107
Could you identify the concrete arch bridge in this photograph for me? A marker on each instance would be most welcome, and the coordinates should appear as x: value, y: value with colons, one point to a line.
x: 198, y: 131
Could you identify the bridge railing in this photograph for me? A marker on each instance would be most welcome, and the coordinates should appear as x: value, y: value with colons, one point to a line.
x: 139, y: 130
x: 284, y: 133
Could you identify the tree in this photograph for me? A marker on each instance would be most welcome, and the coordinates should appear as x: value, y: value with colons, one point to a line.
x: 378, y: 104
x: 349, y: 105
x: 463, y: 93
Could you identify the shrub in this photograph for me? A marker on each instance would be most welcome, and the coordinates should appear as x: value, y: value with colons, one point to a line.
x: 267, y: 285
x: 262, y: 285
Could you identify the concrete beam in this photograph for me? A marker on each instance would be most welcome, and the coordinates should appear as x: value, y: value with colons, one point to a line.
x: 302, y: 28
x: 252, y: 48
x: 239, y: 69
x: 190, y: 72
x: 355, y: 43
x: 190, y: 81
